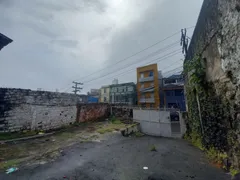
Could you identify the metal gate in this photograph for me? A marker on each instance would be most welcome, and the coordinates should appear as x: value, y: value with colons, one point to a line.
x: 158, y: 123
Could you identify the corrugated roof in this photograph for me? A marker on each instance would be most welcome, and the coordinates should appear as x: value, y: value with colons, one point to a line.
x: 4, y: 41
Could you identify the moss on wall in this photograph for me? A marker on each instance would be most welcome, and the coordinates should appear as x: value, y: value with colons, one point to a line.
x: 210, y: 125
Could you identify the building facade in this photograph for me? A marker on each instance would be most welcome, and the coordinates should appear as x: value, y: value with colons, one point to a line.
x: 148, y: 86
x: 123, y: 94
x: 104, y: 94
x: 93, y: 96
x: 171, y: 92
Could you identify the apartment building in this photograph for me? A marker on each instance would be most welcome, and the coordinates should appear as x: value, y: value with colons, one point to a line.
x: 148, y: 86
x: 105, y: 94
x: 171, y: 90
x: 124, y: 93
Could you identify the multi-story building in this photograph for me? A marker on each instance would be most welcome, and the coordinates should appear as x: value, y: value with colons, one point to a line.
x: 172, y: 92
x: 124, y: 93
x: 104, y: 94
x: 147, y: 86
x: 4, y: 41
x: 93, y: 96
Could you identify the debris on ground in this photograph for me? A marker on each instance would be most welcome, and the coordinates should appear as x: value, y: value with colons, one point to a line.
x: 145, y: 168
x: 11, y: 170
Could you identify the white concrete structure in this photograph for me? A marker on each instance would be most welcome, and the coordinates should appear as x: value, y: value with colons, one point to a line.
x: 158, y: 123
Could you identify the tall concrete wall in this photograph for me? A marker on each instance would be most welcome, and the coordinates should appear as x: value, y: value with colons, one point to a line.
x: 22, y: 109
x: 214, y: 97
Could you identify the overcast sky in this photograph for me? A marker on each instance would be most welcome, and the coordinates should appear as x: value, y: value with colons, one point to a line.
x: 58, y: 41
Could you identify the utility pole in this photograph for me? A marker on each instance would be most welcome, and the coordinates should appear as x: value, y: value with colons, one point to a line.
x: 184, y: 41
x: 76, y: 88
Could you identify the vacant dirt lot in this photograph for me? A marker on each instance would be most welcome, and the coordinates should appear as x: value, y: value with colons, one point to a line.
x: 42, y: 150
x: 113, y: 157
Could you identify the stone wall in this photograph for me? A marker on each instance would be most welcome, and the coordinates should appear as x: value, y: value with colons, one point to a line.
x: 121, y: 112
x: 92, y: 112
x: 22, y: 109
x: 213, y: 79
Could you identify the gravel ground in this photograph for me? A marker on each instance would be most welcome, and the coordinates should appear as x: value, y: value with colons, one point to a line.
x: 124, y: 158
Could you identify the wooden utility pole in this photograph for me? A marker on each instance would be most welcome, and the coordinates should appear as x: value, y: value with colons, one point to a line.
x: 76, y: 88
x: 184, y: 41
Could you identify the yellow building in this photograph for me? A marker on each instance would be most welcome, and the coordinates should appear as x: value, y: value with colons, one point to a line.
x: 105, y: 94
x: 148, y: 86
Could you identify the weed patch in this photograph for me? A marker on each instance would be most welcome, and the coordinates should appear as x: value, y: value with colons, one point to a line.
x: 153, y: 148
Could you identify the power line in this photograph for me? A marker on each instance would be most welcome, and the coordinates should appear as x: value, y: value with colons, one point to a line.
x: 150, y: 55
x: 137, y: 52
x: 138, y: 60
x: 133, y: 69
x: 76, y: 88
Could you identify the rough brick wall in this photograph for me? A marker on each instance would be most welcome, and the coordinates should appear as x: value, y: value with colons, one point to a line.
x: 22, y: 109
x: 92, y: 112
x: 124, y: 113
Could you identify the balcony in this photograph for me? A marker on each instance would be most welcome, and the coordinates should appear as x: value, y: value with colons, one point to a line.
x: 146, y: 79
x: 148, y: 89
x: 147, y: 100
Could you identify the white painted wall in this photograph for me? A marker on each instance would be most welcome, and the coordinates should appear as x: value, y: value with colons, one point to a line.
x: 154, y: 122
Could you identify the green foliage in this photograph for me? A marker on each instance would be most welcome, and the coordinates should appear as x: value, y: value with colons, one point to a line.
x: 233, y: 171
x: 153, y: 148
x: 14, y: 135
x: 138, y: 134
x: 213, y: 135
x: 114, y: 120
x: 10, y: 163
x: 196, y: 140
x: 195, y: 71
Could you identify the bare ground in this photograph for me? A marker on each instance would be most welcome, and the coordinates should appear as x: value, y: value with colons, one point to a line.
x: 42, y: 150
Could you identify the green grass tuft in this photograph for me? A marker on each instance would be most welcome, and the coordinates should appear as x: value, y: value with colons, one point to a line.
x: 153, y: 148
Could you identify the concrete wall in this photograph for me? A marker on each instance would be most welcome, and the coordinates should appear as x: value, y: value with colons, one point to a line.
x: 92, y: 112
x: 153, y: 122
x: 22, y: 109
x: 214, y: 106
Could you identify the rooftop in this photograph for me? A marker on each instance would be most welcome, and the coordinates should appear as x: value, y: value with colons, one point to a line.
x: 4, y: 41
x: 123, y: 84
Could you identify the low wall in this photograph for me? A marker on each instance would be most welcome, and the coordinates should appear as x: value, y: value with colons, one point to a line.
x: 158, y: 123
x: 124, y: 113
x: 23, y: 109
x: 92, y: 112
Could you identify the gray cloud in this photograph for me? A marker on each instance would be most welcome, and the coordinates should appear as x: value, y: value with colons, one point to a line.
x: 56, y: 41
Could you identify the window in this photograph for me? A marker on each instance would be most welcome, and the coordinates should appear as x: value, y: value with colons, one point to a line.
x: 142, y: 85
x: 142, y: 75
x: 152, y: 84
x: 178, y: 92
x: 105, y: 99
x: 169, y: 93
x: 152, y: 95
x: 151, y: 73
x: 104, y: 90
x: 170, y: 81
x: 116, y: 89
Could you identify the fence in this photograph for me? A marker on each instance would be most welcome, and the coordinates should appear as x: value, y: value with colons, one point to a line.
x: 160, y: 122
